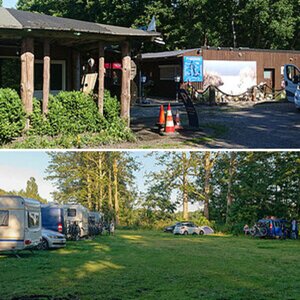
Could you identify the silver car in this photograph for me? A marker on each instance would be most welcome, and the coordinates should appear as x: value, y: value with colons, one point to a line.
x: 52, y: 240
x: 186, y: 228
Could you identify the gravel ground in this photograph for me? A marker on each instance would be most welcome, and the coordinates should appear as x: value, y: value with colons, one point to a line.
x: 242, y: 126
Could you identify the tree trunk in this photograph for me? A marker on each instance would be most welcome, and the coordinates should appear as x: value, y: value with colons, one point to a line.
x: 100, y: 182
x: 184, y: 187
x: 116, y: 196
x: 207, y: 168
x: 89, y: 192
x: 109, y: 190
x: 230, y: 179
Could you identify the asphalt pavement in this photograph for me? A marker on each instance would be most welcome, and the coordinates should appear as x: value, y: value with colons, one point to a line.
x: 235, y: 126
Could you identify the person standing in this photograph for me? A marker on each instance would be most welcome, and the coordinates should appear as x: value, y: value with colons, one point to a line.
x: 246, y: 229
x: 294, y: 229
x: 112, y: 228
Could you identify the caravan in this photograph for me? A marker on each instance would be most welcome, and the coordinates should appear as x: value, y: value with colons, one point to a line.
x: 77, y: 221
x: 20, y: 223
x: 292, y: 84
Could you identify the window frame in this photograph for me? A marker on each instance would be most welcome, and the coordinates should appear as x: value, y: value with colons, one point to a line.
x: 54, y: 62
x: 72, y: 216
x: 5, y: 224
x: 39, y: 220
x: 177, y: 70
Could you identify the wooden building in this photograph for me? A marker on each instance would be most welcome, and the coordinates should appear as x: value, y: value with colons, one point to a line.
x: 41, y: 54
x: 161, y: 68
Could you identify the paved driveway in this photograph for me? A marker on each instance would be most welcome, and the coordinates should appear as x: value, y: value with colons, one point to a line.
x: 267, y: 126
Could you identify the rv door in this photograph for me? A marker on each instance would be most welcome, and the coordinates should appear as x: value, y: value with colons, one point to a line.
x: 291, y: 79
x: 33, y: 228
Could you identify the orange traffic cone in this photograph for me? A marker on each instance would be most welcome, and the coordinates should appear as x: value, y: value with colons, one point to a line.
x: 169, y: 128
x: 177, y: 121
x: 161, y: 118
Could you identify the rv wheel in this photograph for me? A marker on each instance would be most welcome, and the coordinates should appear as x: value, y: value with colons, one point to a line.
x: 44, y: 245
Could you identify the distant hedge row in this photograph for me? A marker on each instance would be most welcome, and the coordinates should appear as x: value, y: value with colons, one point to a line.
x: 70, y: 113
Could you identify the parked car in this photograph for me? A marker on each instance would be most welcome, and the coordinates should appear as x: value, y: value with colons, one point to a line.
x: 52, y: 240
x: 53, y: 217
x: 186, y: 228
x: 170, y: 228
x: 20, y: 223
x: 206, y: 230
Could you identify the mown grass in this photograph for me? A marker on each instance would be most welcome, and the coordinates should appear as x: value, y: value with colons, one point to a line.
x: 154, y: 265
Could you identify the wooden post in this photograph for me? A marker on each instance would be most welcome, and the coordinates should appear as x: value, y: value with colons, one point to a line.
x: 76, y: 70
x: 101, y: 78
x: 125, y: 93
x: 46, y: 76
x: 27, y: 75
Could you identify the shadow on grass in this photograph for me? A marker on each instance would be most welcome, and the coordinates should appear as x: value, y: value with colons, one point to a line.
x: 146, y: 264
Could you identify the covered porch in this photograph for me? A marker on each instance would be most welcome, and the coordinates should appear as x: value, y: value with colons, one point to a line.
x: 41, y: 54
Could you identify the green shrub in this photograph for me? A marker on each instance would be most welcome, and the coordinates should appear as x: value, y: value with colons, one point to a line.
x: 12, y: 115
x: 73, y: 121
x: 39, y: 124
x: 73, y: 113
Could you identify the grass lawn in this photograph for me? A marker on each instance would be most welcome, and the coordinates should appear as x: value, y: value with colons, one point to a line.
x: 154, y: 265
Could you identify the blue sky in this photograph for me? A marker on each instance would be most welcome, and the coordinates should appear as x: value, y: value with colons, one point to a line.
x: 9, y: 3
x: 16, y: 167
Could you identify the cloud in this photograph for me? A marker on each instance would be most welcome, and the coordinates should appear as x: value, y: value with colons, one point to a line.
x: 15, y: 178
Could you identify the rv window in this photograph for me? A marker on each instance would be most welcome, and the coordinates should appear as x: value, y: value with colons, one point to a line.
x: 71, y: 212
x: 33, y: 219
x: 4, y: 216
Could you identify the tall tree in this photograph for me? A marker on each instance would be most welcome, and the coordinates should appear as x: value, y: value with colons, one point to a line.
x: 97, y: 180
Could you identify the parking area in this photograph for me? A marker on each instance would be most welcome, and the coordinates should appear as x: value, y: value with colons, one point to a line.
x: 244, y: 125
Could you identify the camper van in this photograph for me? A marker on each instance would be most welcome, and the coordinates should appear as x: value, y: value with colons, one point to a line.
x: 20, y: 223
x: 292, y: 84
x: 53, y: 217
x: 95, y: 223
x: 76, y: 215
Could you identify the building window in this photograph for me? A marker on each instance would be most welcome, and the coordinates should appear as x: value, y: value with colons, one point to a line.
x: 57, y: 75
x: 4, y: 218
x: 10, y: 74
x: 168, y: 72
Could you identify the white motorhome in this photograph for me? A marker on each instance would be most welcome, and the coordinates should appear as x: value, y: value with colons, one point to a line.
x: 77, y: 214
x: 20, y: 223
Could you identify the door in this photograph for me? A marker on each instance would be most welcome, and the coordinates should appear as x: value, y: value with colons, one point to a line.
x: 269, y: 78
x: 33, y: 227
x: 291, y: 80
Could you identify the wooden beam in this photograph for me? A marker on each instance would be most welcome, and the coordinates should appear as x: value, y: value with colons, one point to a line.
x: 101, y: 78
x: 125, y: 89
x: 46, y: 76
x: 27, y: 75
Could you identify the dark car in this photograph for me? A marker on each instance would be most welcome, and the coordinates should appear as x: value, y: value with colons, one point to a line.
x: 170, y: 229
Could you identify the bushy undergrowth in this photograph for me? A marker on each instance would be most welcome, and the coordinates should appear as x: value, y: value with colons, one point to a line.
x: 12, y: 115
x: 142, y: 222
x: 73, y: 121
